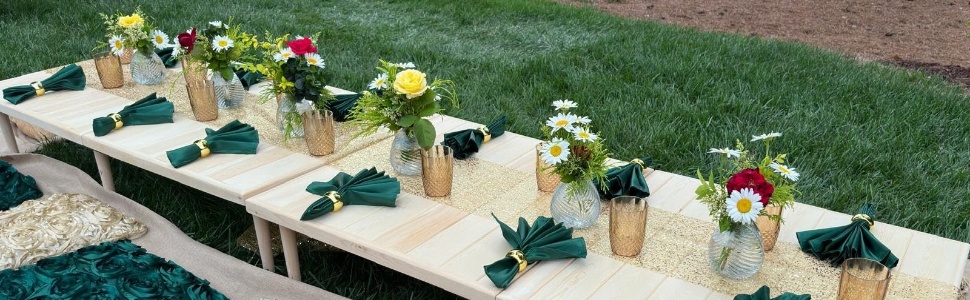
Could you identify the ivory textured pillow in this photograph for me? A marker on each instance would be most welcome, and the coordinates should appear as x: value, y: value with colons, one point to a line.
x: 63, y: 223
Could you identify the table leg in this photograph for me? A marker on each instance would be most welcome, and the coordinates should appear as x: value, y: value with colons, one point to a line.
x: 104, y: 168
x: 265, y: 242
x: 7, y: 131
x: 290, y: 253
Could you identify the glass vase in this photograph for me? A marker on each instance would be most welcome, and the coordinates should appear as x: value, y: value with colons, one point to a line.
x: 193, y: 71
x: 736, y: 254
x: 575, y: 208
x: 147, y: 68
x: 109, y: 70
x: 229, y: 94
x: 405, y: 154
x: 319, y: 128
x: 287, y: 116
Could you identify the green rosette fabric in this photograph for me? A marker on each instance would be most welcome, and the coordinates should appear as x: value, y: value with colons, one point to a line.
x: 15, y: 188
x: 68, y: 78
x: 465, y: 143
x: 544, y: 240
x: 110, y: 270
x: 764, y: 293
x: 166, y: 55
x: 248, y: 78
x: 626, y: 180
x: 837, y: 244
x: 341, y: 105
x: 368, y: 187
x: 148, y: 110
x: 234, y: 138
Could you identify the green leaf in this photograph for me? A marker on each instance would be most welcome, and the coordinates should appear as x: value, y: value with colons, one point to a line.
x: 407, y: 121
x: 226, y: 73
x: 424, y: 100
x: 424, y: 132
x: 429, y: 110
x: 724, y: 223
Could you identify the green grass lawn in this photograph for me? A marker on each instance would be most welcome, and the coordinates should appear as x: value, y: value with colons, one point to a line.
x: 856, y: 131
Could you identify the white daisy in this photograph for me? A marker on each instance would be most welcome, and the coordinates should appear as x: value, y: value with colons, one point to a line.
x: 160, y: 39
x: 304, y: 106
x: 765, y: 136
x: 117, y: 45
x: 283, y: 55
x: 221, y: 43
x: 407, y: 65
x: 564, y: 104
x: 785, y: 171
x: 314, y: 59
x: 744, y: 206
x: 583, y: 134
x: 176, y: 50
x: 379, y: 83
x: 217, y: 24
x: 583, y: 120
x: 561, y: 121
x: 726, y: 151
x: 555, y: 151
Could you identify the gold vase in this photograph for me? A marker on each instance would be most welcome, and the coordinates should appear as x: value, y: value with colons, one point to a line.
x: 126, y: 57
x: 863, y: 279
x: 628, y: 225
x: 109, y: 70
x: 193, y: 71
x: 546, y: 179
x: 437, y: 170
x: 202, y: 98
x: 318, y: 127
x: 769, y: 228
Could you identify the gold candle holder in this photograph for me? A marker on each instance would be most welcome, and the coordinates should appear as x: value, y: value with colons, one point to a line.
x: 202, y: 98
x: 437, y: 166
x: 546, y: 179
x: 318, y: 127
x: 126, y: 57
x: 109, y: 70
x: 628, y: 224
x: 769, y: 228
x: 193, y: 71
x: 863, y: 279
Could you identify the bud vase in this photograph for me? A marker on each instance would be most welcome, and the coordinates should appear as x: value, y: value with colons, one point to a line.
x: 193, y: 71
x: 319, y: 128
x: 147, y: 68
x: 736, y: 254
x: 575, y: 207
x: 769, y: 228
x: 288, y: 118
x: 405, y: 154
x: 229, y: 94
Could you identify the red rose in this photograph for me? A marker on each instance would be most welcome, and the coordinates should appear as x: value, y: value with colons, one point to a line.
x: 187, y: 40
x: 581, y: 152
x: 751, y: 178
x: 301, y: 46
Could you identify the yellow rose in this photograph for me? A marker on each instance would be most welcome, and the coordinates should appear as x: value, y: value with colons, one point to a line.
x: 411, y: 83
x: 133, y: 20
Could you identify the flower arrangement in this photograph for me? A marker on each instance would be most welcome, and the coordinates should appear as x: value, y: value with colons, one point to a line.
x: 571, y: 149
x: 133, y: 32
x: 219, y: 46
x: 400, y: 98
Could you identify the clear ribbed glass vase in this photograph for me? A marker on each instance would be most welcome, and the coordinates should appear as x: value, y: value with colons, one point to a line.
x: 575, y: 208
x: 147, y: 68
x: 405, y: 154
x: 736, y: 254
x: 229, y: 94
x: 286, y: 116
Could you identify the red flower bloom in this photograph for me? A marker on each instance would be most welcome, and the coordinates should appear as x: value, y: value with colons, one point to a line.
x: 187, y: 40
x: 751, y: 178
x: 581, y: 152
x: 301, y: 46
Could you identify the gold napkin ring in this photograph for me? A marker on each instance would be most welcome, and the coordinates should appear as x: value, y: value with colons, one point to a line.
x: 486, y: 132
x: 519, y: 257
x: 117, y: 118
x: 38, y: 88
x: 203, y: 147
x: 335, y: 197
x: 640, y: 162
x: 864, y: 217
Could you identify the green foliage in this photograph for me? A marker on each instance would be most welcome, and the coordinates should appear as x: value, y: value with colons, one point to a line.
x: 221, y: 61
x: 137, y: 37
x: 586, y: 159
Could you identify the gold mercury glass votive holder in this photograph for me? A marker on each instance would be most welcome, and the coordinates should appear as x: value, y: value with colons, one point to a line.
x: 109, y: 70
x: 628, y: 224
x: 437, y: 166
x: 863, y: 279
x: 193, y: 71
x: 126, y: 56
x: 769, y: 228
x: 202, y: 98
x: 546, y: 179
x: 318, y: 127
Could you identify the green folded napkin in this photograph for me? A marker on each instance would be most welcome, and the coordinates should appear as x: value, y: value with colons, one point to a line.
x: 466, y: 142
x: 544, y: 240
x: 837, y: 244
x: 764, y: 293
x: 626, y: 180
x: 15, y: 188
x: 341, y: 105
x: 368, y: 187
x: 234, y: 138
x: 166, y: 55
x: 148, y: 110
x: 68, y: 78
x: 248, y: 78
